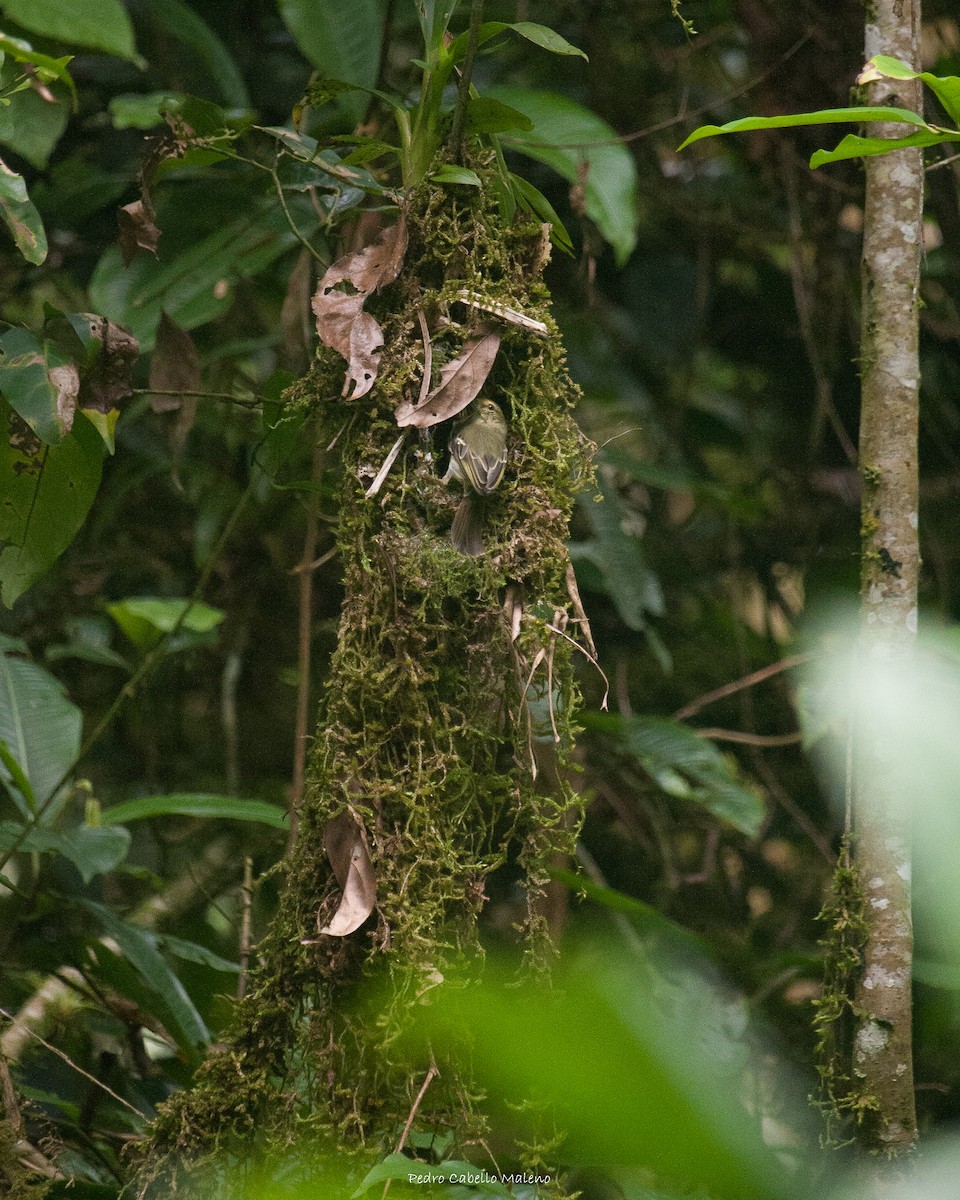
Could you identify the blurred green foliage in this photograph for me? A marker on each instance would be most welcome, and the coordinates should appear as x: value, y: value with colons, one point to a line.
x: 710, y: 314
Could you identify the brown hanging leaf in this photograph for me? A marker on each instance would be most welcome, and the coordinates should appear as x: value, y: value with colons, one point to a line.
x: 110, y: 377
x: 174, y: 366
x: 366, y: 342
x: 339, y: 299
x: 460, y: 382
x: 137, y: 229
x: 346, y: 845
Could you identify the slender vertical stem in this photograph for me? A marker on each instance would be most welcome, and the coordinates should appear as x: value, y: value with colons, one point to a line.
x: 466, y: 73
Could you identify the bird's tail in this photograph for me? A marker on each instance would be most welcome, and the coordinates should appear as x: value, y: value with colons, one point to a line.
x: 467, y: 531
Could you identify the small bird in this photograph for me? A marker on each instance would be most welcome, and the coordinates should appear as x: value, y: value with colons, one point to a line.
x: 478, y: 455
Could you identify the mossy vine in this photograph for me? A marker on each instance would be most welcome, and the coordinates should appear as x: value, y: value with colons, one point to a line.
x: 449, y: 704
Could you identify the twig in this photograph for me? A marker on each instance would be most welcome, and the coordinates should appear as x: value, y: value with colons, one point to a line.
x: 752, y: 739
x: 305, y: 603
x: 290, y: 221
x: 317, y: 562
x: 70, y: 1063
x: 466, y: 72
x: 384, y: 471
x: 228, y: 719
x: 228, y: 397
x: 431, y: 1075
x: 246, y: 894
x: 747, y: 681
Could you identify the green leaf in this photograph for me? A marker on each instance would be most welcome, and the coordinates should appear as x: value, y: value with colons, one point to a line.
x: 452, y: 1171
x: 27, y: 385
x: 40, y: 726
x: 190, y: 28
x: 92, y: 850
x: 99, y: 24
x: 685, y: 765
x: 449, y: 173
x: 47, y: 493
x: 29, y: 124
x: 21, y: 217
x: 570, y: 138
x: 540, y: 35
x: 825, y: 116
x: 16, y: 782
x: 52, y: 68
x: 854, y: 146
x: 138, y: 946
x: 193, y: 952
x: 486, y: 115
x: 183, y: 804
x: 434, y: 19
x: 146, y: 619
x: 633, y: 587
x: 945, y: 87
x: 533, y: 199
x: 341, y: 40
x: 138, y: 110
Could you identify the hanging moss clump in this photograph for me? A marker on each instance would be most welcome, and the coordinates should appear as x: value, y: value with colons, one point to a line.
x: 447, y: 717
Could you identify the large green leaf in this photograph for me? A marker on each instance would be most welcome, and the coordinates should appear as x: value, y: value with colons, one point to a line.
x: 21, y: 217
x: 29, y: 124
x: 92, y: 849
x: 198, y: 284
x: 341, y: 40
x: 46, y: 494
x: 945, y: 87
x: 571, y: 139
x: 854, y: 146
x: 138, y: 946
x: 826, y: 116
x: 40, y: 725
x: 684, y: 765
x: 225, y: 808
x: 99, y: 24
x: 146, y: 619
x: 190, y: 28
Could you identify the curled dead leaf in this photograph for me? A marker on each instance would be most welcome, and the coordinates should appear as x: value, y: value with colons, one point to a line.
x: 460, y: 382
x: 345, y: 842
x: 137, y: 229
x: 339, y: 299
x: 110, y: 377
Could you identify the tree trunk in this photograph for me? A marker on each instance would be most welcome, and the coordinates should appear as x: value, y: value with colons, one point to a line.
x: 882, y: 1058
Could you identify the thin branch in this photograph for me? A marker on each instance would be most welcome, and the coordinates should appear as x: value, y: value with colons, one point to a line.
x: 431, y: 1075
x: 305, y: 627
x: 246, y: 893
x: 70, y: 1063
x: 738, y: 685
x: 290, y: 221
x: 226, y: 397
x: 752, y: 739
x: 466, y: 72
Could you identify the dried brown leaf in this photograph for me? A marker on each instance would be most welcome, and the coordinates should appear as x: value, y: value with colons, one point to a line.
x: 460, y: 382
x: 366, y: 342
x: 110, y: 378
x: 339, y: 299
x: 346, y: 845
x: 137, y: 229
x: 66, y: 380
x: 174, y: 366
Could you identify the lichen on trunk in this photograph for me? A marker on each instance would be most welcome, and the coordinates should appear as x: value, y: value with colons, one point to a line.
x: 449, y: 696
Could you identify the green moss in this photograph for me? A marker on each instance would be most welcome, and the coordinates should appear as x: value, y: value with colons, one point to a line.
x: 427, y: 730
x: 842, y: 1098
x: 17, y: 1182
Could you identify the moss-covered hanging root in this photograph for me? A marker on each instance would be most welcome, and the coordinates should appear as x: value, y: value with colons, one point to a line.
x: 448, y: 681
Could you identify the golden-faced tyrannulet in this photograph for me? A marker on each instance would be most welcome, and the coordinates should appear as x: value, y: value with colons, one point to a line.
x: 478, y: 455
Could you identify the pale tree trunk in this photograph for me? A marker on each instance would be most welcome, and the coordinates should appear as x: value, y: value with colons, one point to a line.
x: 883, y: 1060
